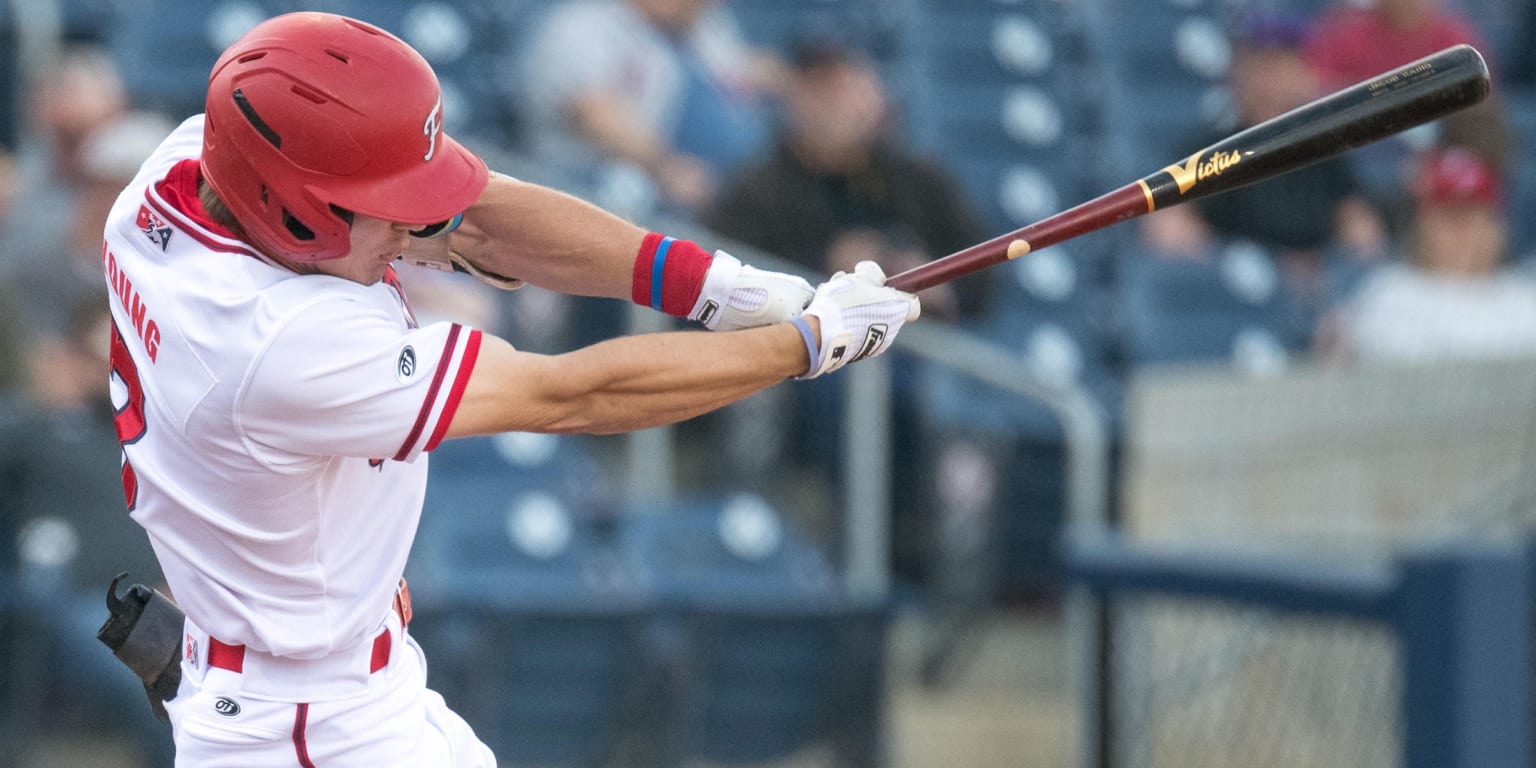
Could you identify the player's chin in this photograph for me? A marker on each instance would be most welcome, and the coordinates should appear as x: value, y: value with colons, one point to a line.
x: 382, y: 264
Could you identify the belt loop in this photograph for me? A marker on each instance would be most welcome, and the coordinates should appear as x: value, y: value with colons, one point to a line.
x: 225, y: 656
x: 380, y: 658
x: 403, y: 603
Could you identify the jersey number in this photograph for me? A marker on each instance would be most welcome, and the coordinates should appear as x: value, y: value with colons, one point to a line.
x: 130, y: 417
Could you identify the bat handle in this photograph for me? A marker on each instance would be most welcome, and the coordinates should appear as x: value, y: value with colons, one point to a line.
x: 1127, y: 202
x: 938, y: 271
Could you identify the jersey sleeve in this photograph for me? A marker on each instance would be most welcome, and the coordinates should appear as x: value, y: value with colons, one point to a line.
x: 341, y: 380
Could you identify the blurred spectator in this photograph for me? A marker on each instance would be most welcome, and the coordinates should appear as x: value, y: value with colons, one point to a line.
x: 837, y: 189
x: 1353, y: 43
x: 60, y: 468
x: 47, y: 287
x: 1305, y: 215
x: 668, y: 86
x: 80, y: 93
x: 12, y: 345
x: 7, y: 181
x: 61, y: 490
x: 1454, y: 297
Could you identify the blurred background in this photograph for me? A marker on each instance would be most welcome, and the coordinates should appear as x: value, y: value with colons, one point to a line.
x: 1239, y: 483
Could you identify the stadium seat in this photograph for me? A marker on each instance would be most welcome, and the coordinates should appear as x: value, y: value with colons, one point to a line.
x: 10, y: 83
x: 166, y: 48
x: 1009, y: 99
x: 771, y: 657
x: 534, y: 634
x: 1166, y: 63
x: 565, y: 466
x: 1232, y: 309
x: 776, y: 24
x: 1501, y: 23
x: 1521, y: 197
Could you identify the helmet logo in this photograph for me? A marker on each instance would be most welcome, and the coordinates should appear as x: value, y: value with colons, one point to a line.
x: 432, y: 127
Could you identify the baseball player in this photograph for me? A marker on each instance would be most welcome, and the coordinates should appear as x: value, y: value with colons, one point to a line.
x: 276, y: 399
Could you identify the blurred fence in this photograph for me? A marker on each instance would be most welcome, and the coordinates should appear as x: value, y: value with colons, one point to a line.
x: 1446, y: 684
x: 1309, y: 499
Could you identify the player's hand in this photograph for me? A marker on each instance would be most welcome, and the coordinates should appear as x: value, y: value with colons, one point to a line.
x: 859, y: 317
x: 737, y: 296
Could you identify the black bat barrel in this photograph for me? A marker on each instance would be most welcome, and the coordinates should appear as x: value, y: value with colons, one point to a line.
x: 1411, y: 95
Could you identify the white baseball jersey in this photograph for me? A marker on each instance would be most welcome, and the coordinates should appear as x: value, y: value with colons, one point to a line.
x: 273, y: 424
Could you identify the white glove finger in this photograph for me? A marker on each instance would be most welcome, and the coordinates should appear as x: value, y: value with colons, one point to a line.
x: 870, y: 272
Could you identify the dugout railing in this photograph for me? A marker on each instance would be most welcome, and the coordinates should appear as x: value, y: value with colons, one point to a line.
x: 1459, y: 613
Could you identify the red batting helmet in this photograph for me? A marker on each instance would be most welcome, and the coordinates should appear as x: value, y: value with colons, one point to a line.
x: 313, y: 112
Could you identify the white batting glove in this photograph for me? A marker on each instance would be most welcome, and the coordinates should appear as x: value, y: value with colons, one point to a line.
x: 737, y: 296
x: 859, y: 317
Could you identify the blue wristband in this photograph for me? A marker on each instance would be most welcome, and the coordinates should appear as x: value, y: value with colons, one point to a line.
x: 812, y: 346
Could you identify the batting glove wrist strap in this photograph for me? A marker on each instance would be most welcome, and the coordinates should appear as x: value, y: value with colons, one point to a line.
x: 736, y: 296
x: 859, y: 317
x: 812, y: 344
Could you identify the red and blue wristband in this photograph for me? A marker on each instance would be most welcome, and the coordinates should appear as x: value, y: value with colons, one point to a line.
x: 669, y: 274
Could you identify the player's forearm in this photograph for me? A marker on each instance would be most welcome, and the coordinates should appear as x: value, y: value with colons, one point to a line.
x: 629, y: 383
x: 647, y: 381
x: 550, y: 239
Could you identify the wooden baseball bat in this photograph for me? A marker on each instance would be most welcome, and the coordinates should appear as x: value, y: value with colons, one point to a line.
x: 1411, y: 95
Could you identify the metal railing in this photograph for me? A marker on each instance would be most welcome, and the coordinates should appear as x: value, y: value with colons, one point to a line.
x: 866, y: 503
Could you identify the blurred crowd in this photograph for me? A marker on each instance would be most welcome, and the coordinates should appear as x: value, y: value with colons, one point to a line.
x: 1402, y: 253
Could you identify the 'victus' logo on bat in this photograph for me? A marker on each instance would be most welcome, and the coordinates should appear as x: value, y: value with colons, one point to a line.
x: 1193, y: 170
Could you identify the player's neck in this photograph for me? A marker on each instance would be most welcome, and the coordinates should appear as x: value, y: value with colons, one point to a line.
x: 215, y: 208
